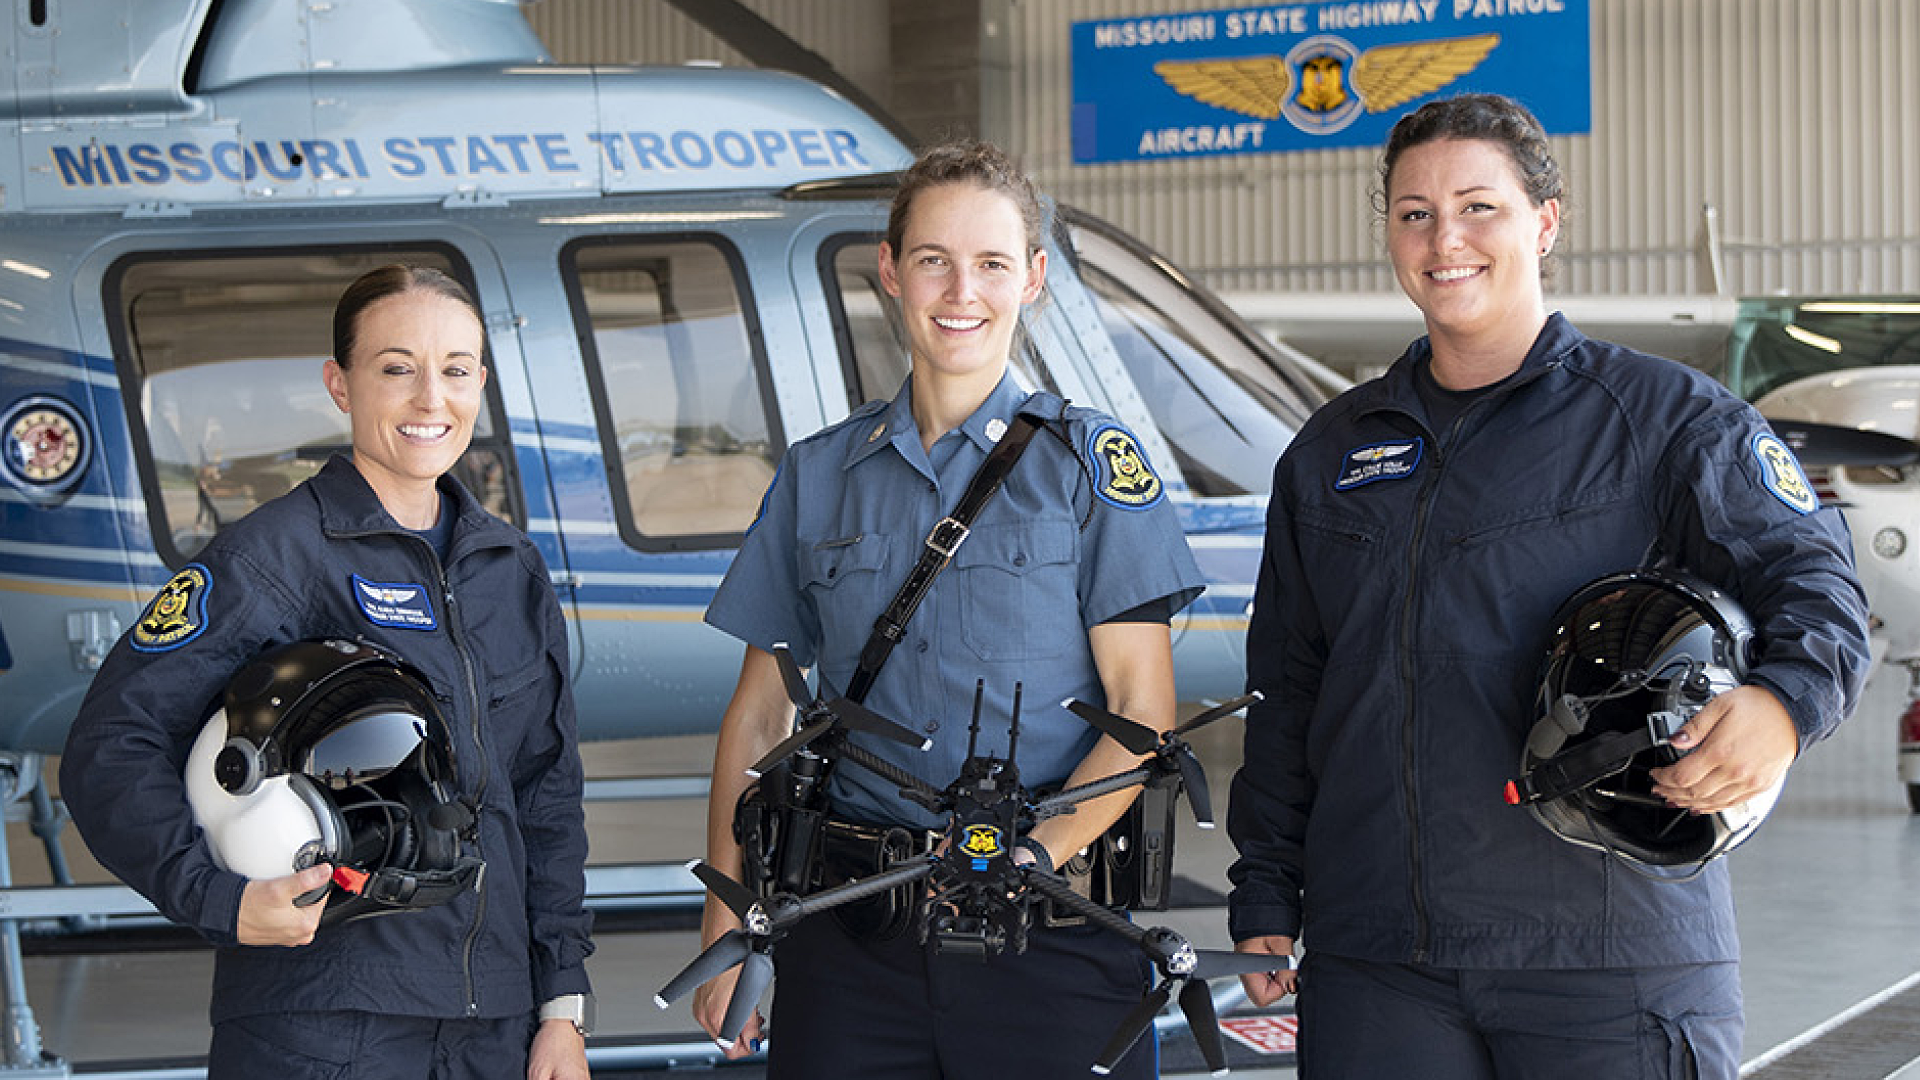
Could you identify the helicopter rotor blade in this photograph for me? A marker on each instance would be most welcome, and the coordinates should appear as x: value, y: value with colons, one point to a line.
x: 727, y: 950
x: 736, y: 896
x: 755, y: 973
x: 1225, y: 708
x: 1137, y: 738
x: 1196, y: 1001
x: 1130, y: 1030
x: 1194, y: 779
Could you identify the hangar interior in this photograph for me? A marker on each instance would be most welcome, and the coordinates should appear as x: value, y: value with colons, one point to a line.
x: 1738, y: 150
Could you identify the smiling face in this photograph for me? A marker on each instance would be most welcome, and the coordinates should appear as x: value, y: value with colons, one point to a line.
x: 961, y: 274
x: 1466, y: 240
x: 412, y: 390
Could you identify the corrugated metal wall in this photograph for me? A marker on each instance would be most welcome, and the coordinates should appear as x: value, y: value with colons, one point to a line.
x: 1798, y: 121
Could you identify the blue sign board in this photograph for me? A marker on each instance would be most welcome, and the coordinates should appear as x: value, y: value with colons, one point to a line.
x: 1315, y: 76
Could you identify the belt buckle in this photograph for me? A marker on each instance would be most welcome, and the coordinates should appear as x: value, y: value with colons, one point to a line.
x: 946, y: 537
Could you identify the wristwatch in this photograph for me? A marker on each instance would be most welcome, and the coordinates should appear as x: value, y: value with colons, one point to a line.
x: 575, y: 1008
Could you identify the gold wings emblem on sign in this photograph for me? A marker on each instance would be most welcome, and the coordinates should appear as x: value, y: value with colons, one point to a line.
x: 1384, y: 76
x: 1253, y: 85
x: 1390, y: 75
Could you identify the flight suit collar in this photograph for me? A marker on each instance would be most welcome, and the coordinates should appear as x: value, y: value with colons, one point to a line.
x: 349, y: 507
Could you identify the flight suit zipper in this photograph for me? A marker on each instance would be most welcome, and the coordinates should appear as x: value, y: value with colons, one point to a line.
x: 460, y: 649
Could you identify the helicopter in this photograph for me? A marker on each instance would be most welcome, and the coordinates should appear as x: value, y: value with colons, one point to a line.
x: 677, y: 267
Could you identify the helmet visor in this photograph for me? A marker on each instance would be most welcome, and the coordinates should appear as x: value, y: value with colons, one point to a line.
x: 366, y: 746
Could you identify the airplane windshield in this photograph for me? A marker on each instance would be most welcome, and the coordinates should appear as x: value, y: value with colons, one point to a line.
x: 1225, y: 406
x: 1778, y: 340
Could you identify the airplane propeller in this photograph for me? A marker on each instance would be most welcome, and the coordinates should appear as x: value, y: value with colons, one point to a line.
x: 1184, y: 970
x: 1171, y: 746
x: 1817, y: 445
x: 823, y: 713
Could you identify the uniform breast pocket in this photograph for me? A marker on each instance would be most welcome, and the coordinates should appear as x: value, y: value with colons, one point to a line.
x: 846, y: 577
x: 1020, y: 590
x: 1332, y: 544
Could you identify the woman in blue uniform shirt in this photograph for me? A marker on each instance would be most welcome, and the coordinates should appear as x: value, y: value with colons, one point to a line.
x: 1065, y: 586
x: 455, y: 991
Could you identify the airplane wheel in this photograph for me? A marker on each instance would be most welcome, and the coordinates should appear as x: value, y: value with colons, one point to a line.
x: 1913, y: 797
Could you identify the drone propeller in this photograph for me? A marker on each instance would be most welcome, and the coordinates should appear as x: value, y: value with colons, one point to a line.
x: 762, y: 925
x: 1172, y: 746
x: 824, y: 713
x: 750, y: 946
x: 1186, y: 970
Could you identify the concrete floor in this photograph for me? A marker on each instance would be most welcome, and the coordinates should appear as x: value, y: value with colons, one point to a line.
x: 1826, y: 894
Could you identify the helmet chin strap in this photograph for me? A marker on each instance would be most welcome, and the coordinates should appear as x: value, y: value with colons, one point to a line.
x: 1579, y: 768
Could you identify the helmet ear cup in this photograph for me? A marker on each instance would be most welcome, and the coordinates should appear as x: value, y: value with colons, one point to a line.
x: 237, y: 767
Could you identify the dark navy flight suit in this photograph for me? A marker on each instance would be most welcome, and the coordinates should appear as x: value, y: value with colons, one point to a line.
x: 484, y: 627
x: 1071, y: 541
x: 1400, y: 623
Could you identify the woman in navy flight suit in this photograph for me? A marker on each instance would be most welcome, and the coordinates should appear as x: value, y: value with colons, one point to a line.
x: 1066, y: 585
x: 451, y: 991
x: 1422, y: 530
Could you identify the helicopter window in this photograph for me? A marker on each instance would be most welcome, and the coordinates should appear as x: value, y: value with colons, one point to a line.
x: 220, y: 358
x: 873, y: 353
x: 1225, y: 405
x: 678, y: 385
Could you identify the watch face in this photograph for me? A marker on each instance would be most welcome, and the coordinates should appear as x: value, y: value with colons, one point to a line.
x: 44, y: 444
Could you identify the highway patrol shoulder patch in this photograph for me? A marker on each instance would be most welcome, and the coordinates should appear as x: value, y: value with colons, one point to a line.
x: 397, y: 604
x: 1394, y: 460
x: 1121, y: 473
x: 1781, y: 473
x: 177, y: 613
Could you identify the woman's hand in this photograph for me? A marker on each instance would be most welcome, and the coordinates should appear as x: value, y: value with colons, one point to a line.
x: 559, y: 1052
x: 1266, y: 987
x: 269, y: 916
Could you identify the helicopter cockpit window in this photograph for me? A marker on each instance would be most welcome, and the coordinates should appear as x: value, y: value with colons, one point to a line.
x: 684, y: 411
x: 1226, y: 407
x: 220, y: 359
x: 873, y: 351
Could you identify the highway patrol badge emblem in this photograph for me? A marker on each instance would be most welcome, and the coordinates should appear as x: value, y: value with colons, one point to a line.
x: 1780, y: 472
x: 1122, y: 475
x: 1379, y: 461
x: 177, y: 613
x: 982, y: 841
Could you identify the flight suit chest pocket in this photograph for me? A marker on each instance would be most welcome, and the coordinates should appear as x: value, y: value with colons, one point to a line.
x: 847, y: 580
x: 1019, y: 585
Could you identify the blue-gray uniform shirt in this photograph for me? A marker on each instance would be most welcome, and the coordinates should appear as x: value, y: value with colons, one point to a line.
x: 1081, y: 532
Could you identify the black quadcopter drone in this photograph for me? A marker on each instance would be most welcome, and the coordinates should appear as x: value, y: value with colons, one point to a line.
x: 978, y: 901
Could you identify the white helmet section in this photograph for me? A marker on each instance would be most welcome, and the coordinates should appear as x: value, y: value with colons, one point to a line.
x: 274, y: 830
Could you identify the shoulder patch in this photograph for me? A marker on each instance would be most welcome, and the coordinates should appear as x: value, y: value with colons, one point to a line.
x: 1780, y: 472
x: 397, y: 604
x: 1394, y: 460
x: 177, y: 613
x: 1121, y: 473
